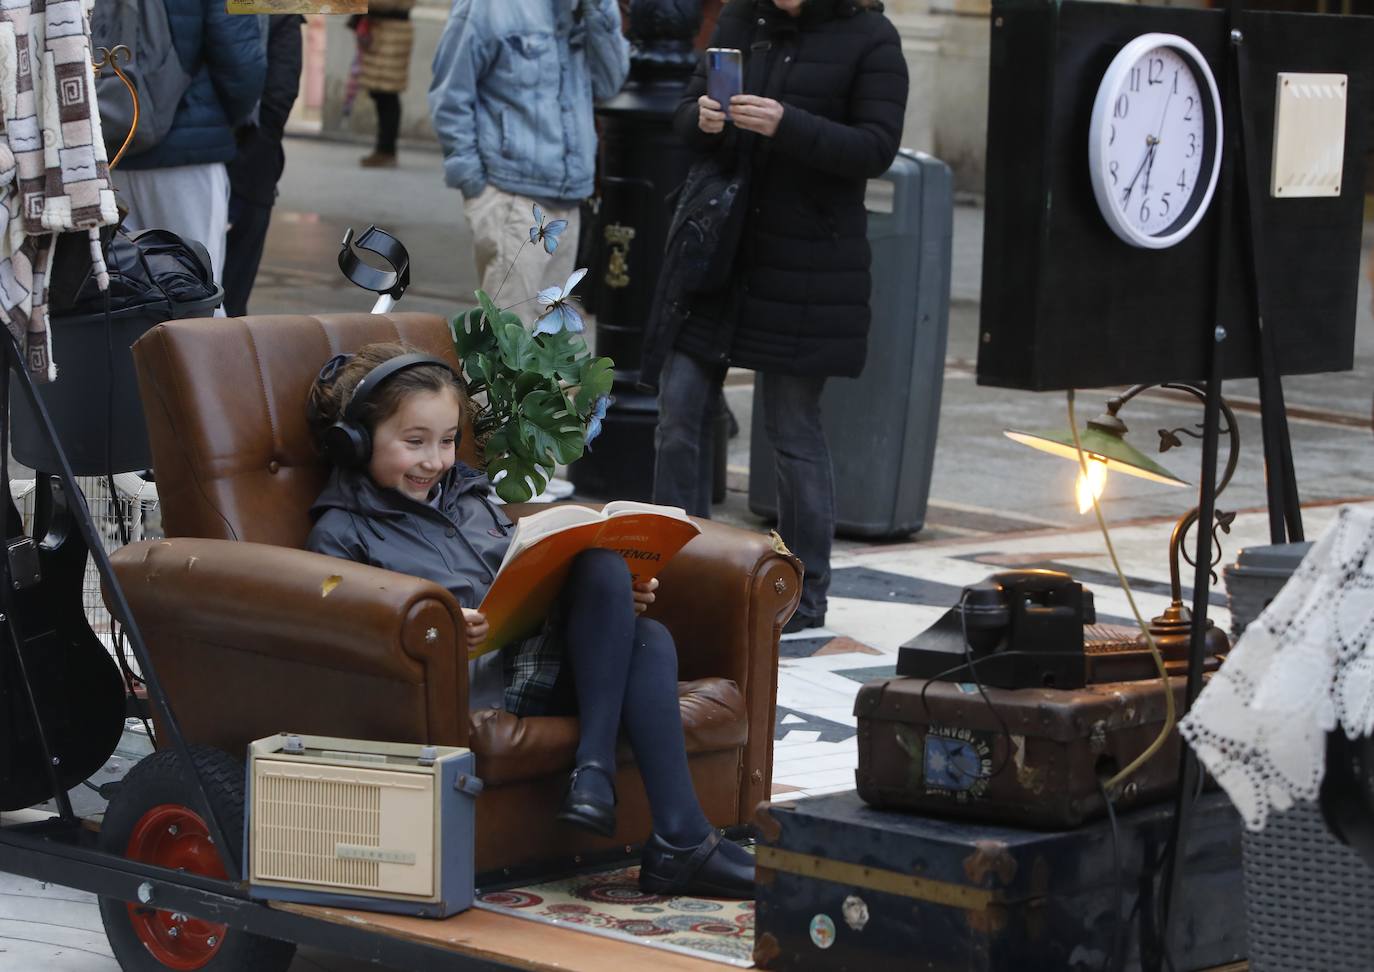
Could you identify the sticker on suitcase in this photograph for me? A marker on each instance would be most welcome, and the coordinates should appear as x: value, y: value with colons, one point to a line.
x: 957, y: 762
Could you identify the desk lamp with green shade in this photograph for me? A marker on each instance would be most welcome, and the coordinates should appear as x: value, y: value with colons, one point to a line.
x: 1105, y: 450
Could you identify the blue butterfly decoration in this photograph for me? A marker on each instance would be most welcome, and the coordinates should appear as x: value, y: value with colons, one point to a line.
x: 559, y: 312
x: 547, y: 233
x: 594, y: 419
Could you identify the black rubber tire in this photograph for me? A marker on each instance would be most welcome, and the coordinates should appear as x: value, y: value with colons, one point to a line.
x: 155, y: 780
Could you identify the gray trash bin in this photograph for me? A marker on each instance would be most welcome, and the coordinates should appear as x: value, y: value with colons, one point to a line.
x: 881, y: 426
x: 1309, y: 899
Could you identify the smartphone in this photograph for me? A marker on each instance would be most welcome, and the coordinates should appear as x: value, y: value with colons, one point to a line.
x: 724, y: 75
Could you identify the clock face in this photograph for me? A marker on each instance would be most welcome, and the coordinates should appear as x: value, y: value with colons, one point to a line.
x: 1153, y: 141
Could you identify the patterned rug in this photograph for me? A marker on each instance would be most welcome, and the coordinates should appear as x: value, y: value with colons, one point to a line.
x: 610, y: 903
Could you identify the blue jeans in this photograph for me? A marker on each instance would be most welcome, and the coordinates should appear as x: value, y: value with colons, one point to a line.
x: 792, y: 417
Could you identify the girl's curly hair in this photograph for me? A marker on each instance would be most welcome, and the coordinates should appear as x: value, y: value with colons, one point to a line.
x: 331, y: 391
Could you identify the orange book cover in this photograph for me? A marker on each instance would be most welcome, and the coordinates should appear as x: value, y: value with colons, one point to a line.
x: 545, y: 545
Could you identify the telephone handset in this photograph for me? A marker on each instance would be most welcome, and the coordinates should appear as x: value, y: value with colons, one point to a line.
x: 1024, y: 629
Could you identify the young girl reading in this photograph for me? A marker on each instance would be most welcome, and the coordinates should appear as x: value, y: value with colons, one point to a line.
x: 388, y: 419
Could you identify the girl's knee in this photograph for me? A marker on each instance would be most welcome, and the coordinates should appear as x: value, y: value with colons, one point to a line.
x: 653, y: 641
x: 601, y: 573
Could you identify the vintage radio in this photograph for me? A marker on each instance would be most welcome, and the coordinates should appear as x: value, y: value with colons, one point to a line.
x: 371, y: 825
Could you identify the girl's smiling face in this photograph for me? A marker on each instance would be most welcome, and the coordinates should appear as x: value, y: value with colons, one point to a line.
x: 416, y: 444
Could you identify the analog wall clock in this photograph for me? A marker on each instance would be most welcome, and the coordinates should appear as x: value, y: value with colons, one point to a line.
x: 1154, y: 142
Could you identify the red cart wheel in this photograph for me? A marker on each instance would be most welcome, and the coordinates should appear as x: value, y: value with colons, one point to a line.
x: 151, y: 820
x: 175, y: 837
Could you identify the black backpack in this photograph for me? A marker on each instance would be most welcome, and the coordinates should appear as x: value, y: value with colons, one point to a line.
x: 155, y: 70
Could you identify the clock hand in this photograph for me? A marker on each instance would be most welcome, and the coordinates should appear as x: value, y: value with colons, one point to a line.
x: 1159, y: 132
x: 1149, y: 154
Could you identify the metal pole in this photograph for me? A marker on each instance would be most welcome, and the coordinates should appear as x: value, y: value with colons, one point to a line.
x: 1188, y: 769
x: 1281, y: 485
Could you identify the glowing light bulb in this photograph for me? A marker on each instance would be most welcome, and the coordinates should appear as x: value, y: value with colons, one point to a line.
x: 1089, y: 485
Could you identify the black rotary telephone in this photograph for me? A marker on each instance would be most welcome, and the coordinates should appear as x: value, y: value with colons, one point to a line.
x: 1018, y: 629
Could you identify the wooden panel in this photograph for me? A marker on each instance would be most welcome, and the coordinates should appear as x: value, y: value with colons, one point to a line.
x: 517, y: 941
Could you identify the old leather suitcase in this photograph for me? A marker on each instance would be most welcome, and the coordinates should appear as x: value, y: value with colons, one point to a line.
x: 842, y: 886
x: 1031, y: 757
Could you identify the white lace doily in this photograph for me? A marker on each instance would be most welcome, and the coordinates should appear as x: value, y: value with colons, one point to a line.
x: 1302, y: 667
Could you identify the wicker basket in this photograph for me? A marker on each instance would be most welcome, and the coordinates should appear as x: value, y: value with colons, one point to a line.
x: 1309, y: 899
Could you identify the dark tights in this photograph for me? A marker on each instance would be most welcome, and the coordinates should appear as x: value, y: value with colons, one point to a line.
x: 388, y: 120
x: 624, y: 673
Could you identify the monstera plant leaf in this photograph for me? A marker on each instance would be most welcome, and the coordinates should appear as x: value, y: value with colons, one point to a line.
x: 595, y: 380
x: 537, y: 397
x: 549, y: 426
x: 559, y: 355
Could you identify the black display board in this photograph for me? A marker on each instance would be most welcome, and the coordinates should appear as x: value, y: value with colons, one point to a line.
x: 1065, y: 302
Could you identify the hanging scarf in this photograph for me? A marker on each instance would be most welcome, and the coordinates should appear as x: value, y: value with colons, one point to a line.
x: 54, y: 175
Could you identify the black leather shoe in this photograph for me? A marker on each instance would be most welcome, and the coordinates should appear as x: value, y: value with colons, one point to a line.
x: 801, y: 622
x: 699, y: 870
x: 585, y: 810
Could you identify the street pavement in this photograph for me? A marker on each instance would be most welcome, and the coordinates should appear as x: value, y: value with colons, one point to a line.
x: 992, y: 504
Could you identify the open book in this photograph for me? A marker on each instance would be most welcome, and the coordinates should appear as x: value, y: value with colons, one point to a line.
x: 546, y: 543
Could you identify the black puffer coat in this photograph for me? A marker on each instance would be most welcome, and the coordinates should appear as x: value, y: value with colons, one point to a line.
x: 798, y: 298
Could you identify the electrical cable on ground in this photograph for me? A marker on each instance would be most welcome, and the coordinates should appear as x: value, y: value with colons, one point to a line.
x: 1114, y: 957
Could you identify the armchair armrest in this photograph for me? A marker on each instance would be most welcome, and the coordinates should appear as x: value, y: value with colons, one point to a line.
x: 250, y: 639
x: 725, y: 598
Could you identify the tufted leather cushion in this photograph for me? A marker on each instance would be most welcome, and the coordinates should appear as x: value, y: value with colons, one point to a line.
x: 510, y: 749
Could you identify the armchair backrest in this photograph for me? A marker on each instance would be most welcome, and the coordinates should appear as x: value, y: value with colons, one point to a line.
x: 225, y: 401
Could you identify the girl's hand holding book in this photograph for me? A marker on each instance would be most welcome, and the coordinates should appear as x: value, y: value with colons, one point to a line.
x: 644, y: 594
x: 477, y: 627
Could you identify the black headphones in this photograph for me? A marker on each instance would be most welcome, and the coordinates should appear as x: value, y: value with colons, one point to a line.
x: 347, y: 442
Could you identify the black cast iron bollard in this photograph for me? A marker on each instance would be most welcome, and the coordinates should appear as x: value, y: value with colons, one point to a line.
x: 641, y: 162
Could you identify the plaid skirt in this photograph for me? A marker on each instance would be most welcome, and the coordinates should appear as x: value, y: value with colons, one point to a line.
x: 533, y: 668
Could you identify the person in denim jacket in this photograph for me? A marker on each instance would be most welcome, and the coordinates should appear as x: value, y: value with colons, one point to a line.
x: 511, y: 103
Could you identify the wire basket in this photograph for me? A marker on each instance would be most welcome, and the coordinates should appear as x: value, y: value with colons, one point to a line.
x: 134, y: 506
x: 1309, y: 899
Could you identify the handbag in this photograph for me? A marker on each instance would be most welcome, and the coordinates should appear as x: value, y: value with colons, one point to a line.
x: 704, y: 234
x: 154, y: 274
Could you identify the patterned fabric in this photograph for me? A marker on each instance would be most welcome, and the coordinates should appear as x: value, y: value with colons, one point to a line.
x: 1301, y: 669
x: 531, y: 670
x: 610, y: 903
x: 54, y: 175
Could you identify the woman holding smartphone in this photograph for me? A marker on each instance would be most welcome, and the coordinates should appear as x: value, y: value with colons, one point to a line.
x: 819, y: 117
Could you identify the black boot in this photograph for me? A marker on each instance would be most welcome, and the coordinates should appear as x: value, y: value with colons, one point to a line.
x: 582, y: 808
x: 700, y: 870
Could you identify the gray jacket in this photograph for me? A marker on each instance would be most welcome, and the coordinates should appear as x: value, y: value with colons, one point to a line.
x: 458, y: 545
x: 512, y: 90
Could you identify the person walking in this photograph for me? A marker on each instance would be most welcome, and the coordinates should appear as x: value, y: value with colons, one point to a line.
x: 255, y: 171
x: 181, y: 183
x: 385, y: 36
x: 824, y: 115
x: 511, y: 103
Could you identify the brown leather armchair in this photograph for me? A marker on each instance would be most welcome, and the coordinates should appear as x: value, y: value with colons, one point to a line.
x: 251, y: 634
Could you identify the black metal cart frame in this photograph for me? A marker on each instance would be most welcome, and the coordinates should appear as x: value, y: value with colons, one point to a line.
x: 61, y: 850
